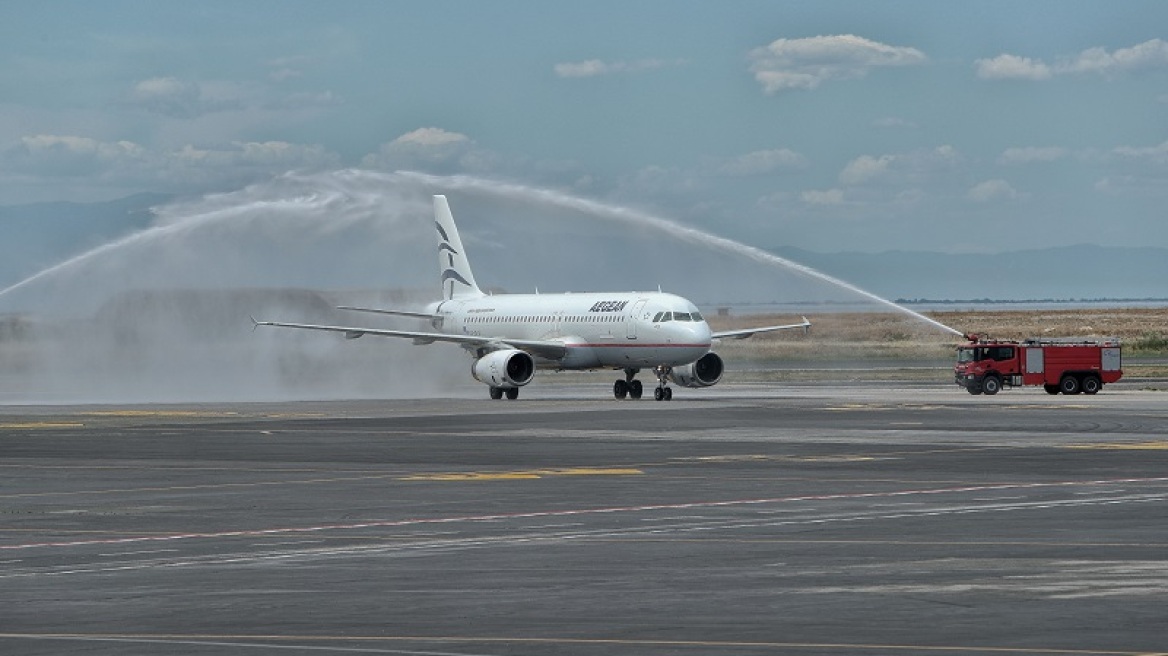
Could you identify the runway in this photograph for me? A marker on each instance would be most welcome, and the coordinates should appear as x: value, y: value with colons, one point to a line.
x: 744, y: 519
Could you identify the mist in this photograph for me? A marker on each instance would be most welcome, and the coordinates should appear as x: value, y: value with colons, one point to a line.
x: 164, y: 313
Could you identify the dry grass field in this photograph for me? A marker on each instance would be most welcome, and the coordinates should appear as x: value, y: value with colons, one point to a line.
x: 841, y: 337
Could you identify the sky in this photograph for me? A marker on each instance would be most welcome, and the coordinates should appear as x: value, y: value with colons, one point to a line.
x: 959, y: 127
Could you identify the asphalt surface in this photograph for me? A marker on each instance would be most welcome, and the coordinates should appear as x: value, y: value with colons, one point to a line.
x: 743, y: 519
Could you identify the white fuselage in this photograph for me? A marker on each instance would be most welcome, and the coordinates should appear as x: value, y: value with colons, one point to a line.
x: 599, y: 330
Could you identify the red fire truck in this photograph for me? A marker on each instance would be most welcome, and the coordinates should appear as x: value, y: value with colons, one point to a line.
x: 1069, y: 366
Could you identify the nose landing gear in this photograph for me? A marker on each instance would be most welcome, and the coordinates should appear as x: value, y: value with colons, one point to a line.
x: 632, y: 388
x: 663, y: 391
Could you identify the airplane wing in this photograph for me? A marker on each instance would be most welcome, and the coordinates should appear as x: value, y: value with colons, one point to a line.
x: 550, y: 350
x: 397, y: 313
x: 747, y: 332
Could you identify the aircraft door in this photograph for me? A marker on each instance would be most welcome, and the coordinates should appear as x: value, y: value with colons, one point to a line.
x: 632, y: 318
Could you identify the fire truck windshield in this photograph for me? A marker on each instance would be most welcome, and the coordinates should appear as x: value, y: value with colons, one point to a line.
x: 968, y: 355
x: 977, y: 354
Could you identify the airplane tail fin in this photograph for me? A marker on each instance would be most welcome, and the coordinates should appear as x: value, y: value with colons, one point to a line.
x: 457, y: 279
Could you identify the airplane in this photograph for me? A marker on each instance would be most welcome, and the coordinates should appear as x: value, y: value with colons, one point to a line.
x: 510, y: 336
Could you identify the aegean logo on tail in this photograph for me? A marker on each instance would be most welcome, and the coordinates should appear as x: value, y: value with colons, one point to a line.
x: 449, y: 273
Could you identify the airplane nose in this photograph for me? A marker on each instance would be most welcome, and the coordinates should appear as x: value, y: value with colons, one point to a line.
x: 702, y: 332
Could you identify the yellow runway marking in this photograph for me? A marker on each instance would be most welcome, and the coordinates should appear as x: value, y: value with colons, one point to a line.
x: 1123, y: 446
x: 849, y: 407
x: 157, y: 413
x: 244, y: 640
x: 778, y: 458
x: 447, y: 476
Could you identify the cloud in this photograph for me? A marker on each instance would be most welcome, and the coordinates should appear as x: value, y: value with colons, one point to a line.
x: 596, y: 67
x: 825, y: 197
x: 69, y: 155
x: 865, y: 168
x: 430, y: 149
x: 1156, y: 154
x: 428, y: 137
x: 1149, y: 54
x: 806, y: 63
x: 44, y: 157
x: 1012, y: 67
x: 1032, y: 154
x: 168, y: 96
x: 286, y: 68
x: 175, y: 98
x: 762, y: 161
x: 266, y: 156
x: 992, y: 190
x: 908, y: 167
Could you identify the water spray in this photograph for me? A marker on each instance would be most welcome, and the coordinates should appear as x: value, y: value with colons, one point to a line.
x: 227, y: 207
x: 635, y: 217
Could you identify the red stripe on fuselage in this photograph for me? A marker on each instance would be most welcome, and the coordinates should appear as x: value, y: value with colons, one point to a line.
x: 636, y: 345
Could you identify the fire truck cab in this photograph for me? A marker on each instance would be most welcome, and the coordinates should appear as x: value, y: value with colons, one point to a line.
x: 1069, y: 366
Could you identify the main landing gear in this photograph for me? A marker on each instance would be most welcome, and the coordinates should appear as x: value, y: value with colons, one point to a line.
x: 629, y: 386
x: 633, y: 389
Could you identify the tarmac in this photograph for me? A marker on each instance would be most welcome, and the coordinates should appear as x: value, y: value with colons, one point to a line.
x: 743, y: 519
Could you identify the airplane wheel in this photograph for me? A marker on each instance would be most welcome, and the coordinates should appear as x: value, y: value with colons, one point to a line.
x: 620, y: 389
x: 658, y: 394
x: 668, y: 393
x: 512, y: 393
x: 635, y: 389
x: 496, y: 392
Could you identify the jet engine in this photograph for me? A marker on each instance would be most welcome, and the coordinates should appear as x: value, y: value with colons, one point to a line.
x: 504, y: 369
x: 705, y: 372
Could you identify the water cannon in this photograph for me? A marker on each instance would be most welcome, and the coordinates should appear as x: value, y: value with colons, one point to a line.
x: 972, y: 337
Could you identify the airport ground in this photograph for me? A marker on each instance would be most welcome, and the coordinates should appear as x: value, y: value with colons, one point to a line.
x: 836, y: 514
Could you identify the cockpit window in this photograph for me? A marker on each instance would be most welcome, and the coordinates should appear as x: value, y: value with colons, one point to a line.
x: 661, y: 317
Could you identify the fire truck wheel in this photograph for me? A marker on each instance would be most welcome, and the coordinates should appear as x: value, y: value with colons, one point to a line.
x: 991, y: 385
x: 1051, y: 389
x: 1091, y: 385
x: 1069, y: 385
